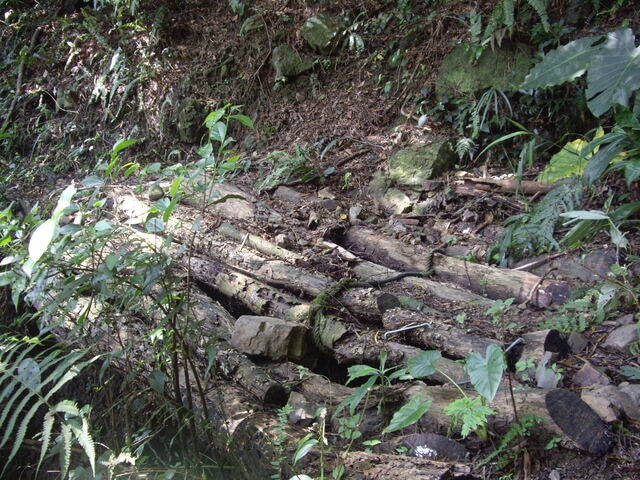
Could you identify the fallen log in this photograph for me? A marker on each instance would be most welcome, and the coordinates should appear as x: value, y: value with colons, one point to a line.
x: 361, y: 302
x: 436, y: 334
x: 484, y: 280
x: 505, y: 185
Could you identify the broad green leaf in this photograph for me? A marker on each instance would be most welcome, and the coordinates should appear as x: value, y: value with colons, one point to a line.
x: 156, y: 381
x: 485, y: 373
x: 243, y: 119
x: 92, y: 181
x: 563, y: 64
x: 103, y: 226
x: 632, y: 171
x: 213, y: 117
x: 632, y: 373
x: 569, y: 161
x: 575, y: 215
x: 111, y: 261
x: 304, y: 446
x: 121, y: 145
x: 421, y: 365
x: 175, y: 186
x: 358, y: 371
x: 154, y: 225
x: 614, y: 73
x: 41, y: 239
x: 219, y: 132
x: 408, y: 414
x: 601, y: 160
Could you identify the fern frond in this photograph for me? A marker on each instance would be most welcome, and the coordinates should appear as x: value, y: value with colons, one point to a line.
x: 65, y: 455
x: 47, y: 428
x: 24, y: 393
x: 540, y: 6
x: 533, y: 233
x: 508, y: 8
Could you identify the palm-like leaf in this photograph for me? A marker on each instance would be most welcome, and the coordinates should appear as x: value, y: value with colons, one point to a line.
x: 23, y: 393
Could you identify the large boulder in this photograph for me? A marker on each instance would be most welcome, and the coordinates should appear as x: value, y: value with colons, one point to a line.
x: 503, y: 69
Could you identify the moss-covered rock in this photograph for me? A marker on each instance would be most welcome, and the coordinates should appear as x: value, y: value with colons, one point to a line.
x: 190, y: 115
x: 410, y: 167
x: 503, y: 69
x: 288, y: 63
x: 323, y: 33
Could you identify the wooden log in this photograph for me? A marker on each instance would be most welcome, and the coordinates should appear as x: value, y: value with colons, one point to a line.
x: 367, y: 347
x: 437, y: 334
x: 528, y: 401
x: 374, y: 466
x: 506, y: 185
x: 282, y: 272
x: 482, y: 279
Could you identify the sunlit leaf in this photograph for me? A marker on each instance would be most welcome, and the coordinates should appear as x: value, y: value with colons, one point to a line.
x: 41, y: 239
x: 485, y: 373
x: 408, y: 414
x: 422, y: 365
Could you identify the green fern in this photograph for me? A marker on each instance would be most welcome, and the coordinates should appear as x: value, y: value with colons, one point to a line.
x: 29, y: 378
x: 579, y: 314
x: 532, y: 233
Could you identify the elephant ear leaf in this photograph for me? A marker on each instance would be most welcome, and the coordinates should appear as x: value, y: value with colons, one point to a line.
x: 563, y: 64
x: 614, y: 73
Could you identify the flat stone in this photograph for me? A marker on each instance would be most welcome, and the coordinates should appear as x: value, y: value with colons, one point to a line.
x: 435, y: 447
x: 588, y: 376
x: 622, y: 338
x: 546, y: 377
x: 322, y: 33
x: 577, y: 342
x: 630, y: 399
x: 410, y: 167
x: 395, y: 201
x: 304, y: 412
x: 604, y: 400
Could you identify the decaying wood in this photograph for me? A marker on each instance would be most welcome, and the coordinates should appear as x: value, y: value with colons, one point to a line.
x: 437, y: 334
x: 507, y: 185
x: 375, y: 466
x: 484, y: 280
x: 366, y: 348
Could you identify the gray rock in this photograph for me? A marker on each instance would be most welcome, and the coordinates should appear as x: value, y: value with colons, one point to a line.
x: 270, y: 337
x: 288, y: 63
x: 577, y: 342
x: 304, y: 412
x: 588, y: 376
x: 355, y: 215
x: 395, y: 201
x: 411, y: 167
x: 622, y: 338
x: 323, y: 33
x: 503, y: 69
x: 630, y: 399
x: 603, y: 399
x: 546, y: 377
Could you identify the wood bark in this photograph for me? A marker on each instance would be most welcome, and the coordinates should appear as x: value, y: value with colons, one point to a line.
x: 504, y: 185
x: 493, y: 282
x: 436, y: 334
